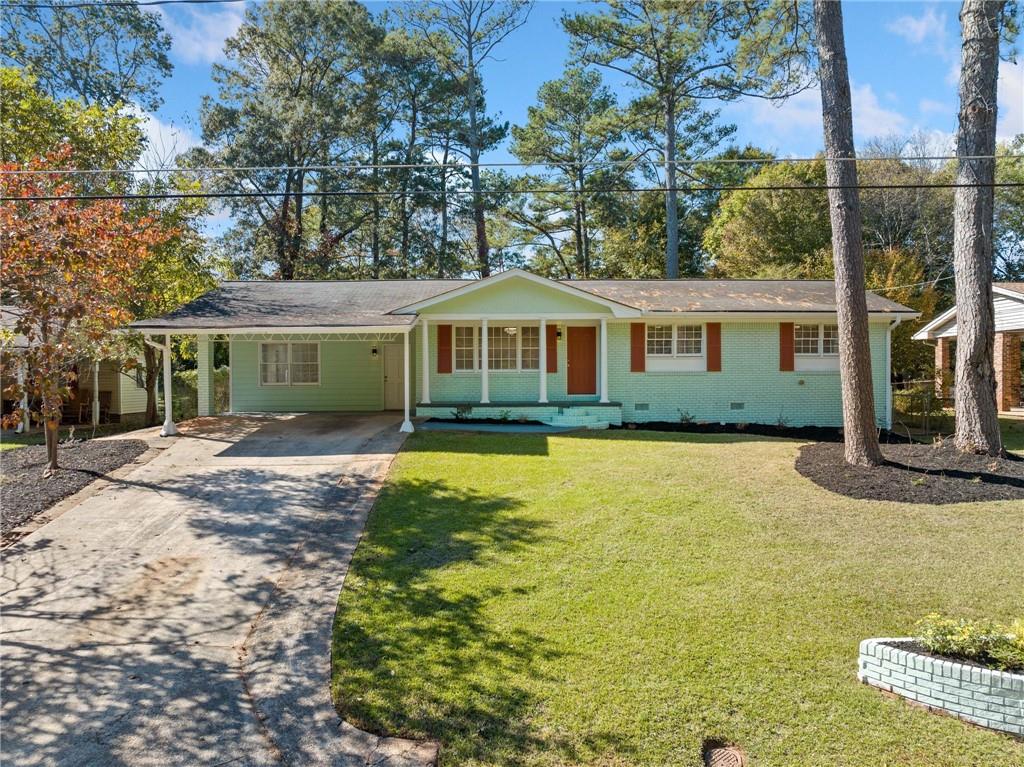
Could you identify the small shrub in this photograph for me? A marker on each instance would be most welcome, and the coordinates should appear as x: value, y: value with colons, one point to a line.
x: 504, y: 415
x: 462, y: 412
x: 985, y: 642
x: 685, y: 417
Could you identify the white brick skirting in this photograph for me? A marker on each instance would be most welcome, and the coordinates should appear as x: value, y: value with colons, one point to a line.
x: 990, y: 698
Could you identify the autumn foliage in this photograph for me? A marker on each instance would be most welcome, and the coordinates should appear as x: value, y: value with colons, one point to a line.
x: 68, y: 265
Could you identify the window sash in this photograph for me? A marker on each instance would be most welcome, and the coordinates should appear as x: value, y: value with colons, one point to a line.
x: 819, y: 340
x: 675, y: 340
x: 284, y: 363
x: 510, y: 348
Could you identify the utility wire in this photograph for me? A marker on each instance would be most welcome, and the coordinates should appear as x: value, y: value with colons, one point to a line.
x: 113, y: 4
x: 457, y: 165
x: 429, y: 192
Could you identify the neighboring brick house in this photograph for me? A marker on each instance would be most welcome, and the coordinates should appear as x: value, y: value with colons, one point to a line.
x: 516, y: 345
x: 1008, y: 302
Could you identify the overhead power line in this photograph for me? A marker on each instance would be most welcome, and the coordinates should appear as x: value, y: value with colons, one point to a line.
x: 113, y: 4
x: 509, y: 164
x: 437, y: 193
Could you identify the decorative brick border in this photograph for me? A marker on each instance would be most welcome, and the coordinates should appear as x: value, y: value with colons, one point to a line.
x: 993, y: 699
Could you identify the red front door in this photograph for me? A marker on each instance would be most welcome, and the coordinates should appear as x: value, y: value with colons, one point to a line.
x: 581, y: 356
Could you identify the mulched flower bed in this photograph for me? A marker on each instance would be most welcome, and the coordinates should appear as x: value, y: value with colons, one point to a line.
x: 915, y: 473
x: 816, y: 433
x: 23, y: 491
x: 920, y: 649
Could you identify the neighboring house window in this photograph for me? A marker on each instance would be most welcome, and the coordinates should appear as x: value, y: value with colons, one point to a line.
x: 816, y: 340
x: 465, y: 343
x: 282, y: 364
x: 675, y: 340
x: 140, y: 378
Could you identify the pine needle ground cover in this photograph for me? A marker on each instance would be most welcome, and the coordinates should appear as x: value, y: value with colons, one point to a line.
x: 622, y: 598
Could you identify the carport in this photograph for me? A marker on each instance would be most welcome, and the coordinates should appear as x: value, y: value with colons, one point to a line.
x: 318, y: 346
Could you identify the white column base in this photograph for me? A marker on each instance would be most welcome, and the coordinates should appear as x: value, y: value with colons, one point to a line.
x: 169, y: 429
x: 407, y: 427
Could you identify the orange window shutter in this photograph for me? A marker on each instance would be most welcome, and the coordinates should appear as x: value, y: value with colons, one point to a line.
x: 552, y: 350
x: 714, y: 334
x: 637, y: 347
x: 786, y: 346
x: 444, y: 348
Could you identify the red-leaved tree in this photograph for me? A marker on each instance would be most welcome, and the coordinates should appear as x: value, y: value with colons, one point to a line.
x: 68, y: 266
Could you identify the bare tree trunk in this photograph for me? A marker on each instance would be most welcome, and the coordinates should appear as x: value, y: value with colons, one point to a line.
x: 375, y: 204
x: 482, y: 248
x: 583, y: 216
x: 51, y: 427
x: 859, y: 430
x: 977, y: 422
x: 671, y: 196
x: 442, y: 251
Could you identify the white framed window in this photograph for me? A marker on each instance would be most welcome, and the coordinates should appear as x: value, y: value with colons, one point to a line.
x: 675, y: 340
x: 464, y: 348
x: 816, y: 340
x: 530, y: 344
x: 509, y: 348
x: 659, y: 340
x: 502, y: 347
x: 830, y: 339
x: 689, y: 340
x: 290, y: 364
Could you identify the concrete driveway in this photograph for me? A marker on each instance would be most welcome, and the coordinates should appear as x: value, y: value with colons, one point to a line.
x: 182, y: 615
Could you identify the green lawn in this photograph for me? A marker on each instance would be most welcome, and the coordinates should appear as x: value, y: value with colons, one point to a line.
x: 618, y: 598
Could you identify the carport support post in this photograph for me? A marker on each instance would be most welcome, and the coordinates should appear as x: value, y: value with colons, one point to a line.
x: 169, y: 429
x: 407, y: 423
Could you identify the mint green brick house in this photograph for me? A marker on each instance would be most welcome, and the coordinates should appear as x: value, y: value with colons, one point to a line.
x: 518, y: 346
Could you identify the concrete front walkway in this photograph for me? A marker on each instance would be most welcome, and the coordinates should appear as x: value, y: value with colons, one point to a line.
x: 182, y: 615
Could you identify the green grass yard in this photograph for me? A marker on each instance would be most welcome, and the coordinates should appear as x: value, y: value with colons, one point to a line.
x: 618, y: 598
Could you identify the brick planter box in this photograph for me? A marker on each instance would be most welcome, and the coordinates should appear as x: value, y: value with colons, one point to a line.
x: 993, y: 699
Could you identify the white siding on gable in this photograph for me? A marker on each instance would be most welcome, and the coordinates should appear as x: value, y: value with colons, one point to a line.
x: 1009, y: 317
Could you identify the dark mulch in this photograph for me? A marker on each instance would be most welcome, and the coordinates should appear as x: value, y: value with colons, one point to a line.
x: 816, y: 433
x: 23, y: 491
x: 920, y: 649
x: 914, y: 473
x: 484, y: 420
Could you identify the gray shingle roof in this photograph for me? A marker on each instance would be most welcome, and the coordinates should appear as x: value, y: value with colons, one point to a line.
x: 729, y: 295
x: 328, y: 303
x: 255, y: 304
x: 1016, y: 287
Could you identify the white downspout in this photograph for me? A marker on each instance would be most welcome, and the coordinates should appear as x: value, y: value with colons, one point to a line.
x: 407, y: 423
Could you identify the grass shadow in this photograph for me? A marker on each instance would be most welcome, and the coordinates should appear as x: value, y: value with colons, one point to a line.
x: 414, y: 660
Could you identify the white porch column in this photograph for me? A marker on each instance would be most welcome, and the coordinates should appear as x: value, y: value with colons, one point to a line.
x: 425, y: 389
x: 604, y: 360
x: 407, y: 423
x: 23, y: 423
x: 168, y: 429
x: 543, y: 361
x: 485, y: 387
x: 95, y: 392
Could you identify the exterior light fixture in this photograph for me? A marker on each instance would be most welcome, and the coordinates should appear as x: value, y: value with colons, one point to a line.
x: 373, y: 351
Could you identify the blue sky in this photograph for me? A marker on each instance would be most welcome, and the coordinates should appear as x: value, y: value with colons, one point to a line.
x: 903, y: 59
